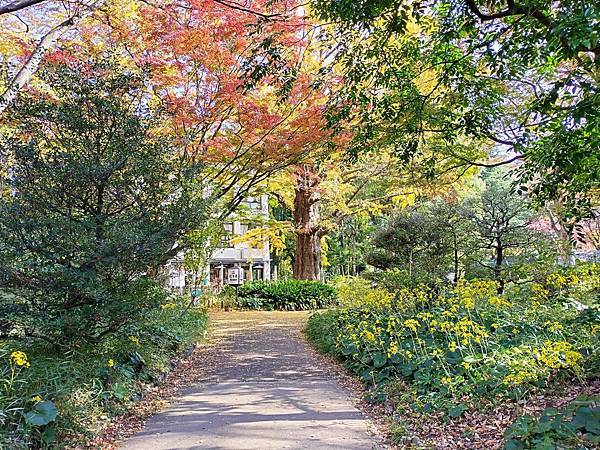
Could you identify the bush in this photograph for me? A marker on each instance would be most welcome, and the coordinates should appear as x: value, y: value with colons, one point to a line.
x: 97, y: 200
x: 396, y: 279
x: 467, y: 342
x: 291, y: 295
x: 49, y: 397
x: 321, y: 330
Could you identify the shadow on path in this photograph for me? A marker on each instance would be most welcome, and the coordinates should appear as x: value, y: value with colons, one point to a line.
x: 266, y: 391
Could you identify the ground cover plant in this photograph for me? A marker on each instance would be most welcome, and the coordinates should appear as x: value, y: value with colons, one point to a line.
x: 466, y: 347
x: 291, y: 295
x: 50, y: 398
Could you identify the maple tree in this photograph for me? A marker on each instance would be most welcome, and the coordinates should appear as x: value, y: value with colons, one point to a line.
x: 242, y: 88
x: 34, y: 29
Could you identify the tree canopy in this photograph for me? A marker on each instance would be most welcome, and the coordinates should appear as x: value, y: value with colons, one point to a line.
x: 521, y: 76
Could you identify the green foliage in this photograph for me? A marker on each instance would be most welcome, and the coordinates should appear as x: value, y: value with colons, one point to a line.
x: 397, y: 279
x: 291, y: 295
x: 347, y: 245
x: 98, y: 200
x: 415, y: 241
x: 506, y: 247
x: 458, y: 345
x: 68, y: 397
x: 575, y: 426
x: 42, y: 414
x: 321, y: 330
x: 451, y: 75
x: 487, y: 234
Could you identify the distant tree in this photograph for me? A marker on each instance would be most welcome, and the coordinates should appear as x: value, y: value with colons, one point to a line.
x: 502, y: 222
x: 449, y: 217
x: 98, y: 199
x: 347, y: 245
x: 417, y: 242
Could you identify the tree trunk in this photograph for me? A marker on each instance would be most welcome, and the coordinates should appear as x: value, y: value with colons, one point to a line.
x: 307, y: 221
x: 499, y: 250
x: 456, y: 261
x: 565, y: 245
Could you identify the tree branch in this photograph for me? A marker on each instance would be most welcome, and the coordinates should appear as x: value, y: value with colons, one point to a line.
x: 48, y: 40
x: 17, y: 5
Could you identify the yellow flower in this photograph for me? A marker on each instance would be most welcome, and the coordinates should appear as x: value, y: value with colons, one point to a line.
x: 134, y: 339
x: 498, y: 302
x: 560, y: 354
x: 370, y: 337
x: 521, y: 376
x: 466, y: 365
x: 446, y: 326
x: 19, y: 358
x: 36, y: 399
x: 556, y: 280
x: 538, y: 294
x: 110, y: 363
x: 452, y: 346
x: 446, y: 380
x: 554, y: 326
x: 412, y: 324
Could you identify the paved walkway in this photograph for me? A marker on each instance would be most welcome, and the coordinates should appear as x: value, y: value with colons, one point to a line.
x: 265, y: 391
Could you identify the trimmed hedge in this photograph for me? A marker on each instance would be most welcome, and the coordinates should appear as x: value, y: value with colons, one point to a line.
x: 289, y: 295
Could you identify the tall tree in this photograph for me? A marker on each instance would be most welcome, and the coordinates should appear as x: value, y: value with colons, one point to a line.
x: 333, y: 188
x: 522, y: 74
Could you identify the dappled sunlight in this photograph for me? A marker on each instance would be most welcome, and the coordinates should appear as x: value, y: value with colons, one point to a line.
x: 265, y: 391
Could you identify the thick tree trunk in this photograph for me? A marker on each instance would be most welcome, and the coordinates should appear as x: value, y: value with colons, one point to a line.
x: 307, y: 222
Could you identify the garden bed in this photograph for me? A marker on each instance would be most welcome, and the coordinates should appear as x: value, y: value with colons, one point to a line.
x: 458, y: 367
x: 73, y: 395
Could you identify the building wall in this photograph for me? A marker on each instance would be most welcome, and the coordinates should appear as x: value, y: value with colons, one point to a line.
x: 254, y: 262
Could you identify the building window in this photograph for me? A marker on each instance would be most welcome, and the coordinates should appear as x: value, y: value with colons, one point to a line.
x: 254, y: 203
x: 227, y: 235
x: 245, y: 227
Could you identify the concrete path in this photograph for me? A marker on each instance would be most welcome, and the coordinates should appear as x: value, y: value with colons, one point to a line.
x: 264, y: 390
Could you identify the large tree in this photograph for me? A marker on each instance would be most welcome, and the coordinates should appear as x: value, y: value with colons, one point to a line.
x: 522, y: 74
x: 322, y: 195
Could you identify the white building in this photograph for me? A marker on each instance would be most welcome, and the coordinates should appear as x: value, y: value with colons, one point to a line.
x: 240, y: 262
x: 231, y: 263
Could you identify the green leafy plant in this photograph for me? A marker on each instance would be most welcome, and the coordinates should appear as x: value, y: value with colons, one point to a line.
x: 286, y: 295
x: 463, y: 343
x: 575, y: 426
x: 99, y: 199
x: 49, y: 396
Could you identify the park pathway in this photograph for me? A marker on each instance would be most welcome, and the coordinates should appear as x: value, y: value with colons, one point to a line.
x: 264, y: 389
